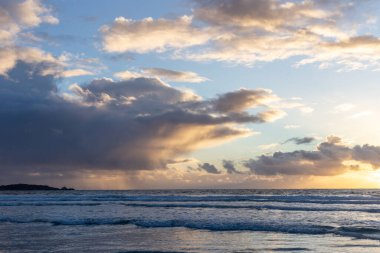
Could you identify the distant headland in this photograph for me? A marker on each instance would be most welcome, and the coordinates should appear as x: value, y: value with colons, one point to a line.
x: 30, y: 187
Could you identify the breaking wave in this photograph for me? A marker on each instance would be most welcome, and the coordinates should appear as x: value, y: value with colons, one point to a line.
x: 310, y: 229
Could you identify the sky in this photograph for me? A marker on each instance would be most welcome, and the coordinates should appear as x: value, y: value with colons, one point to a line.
x: 190, y: 94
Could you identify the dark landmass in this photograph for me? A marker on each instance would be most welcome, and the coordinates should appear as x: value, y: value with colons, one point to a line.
x: 30, y: 187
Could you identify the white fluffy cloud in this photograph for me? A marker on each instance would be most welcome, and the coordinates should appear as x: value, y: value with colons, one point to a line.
x: 247, y: 32
x: 165, y: 74
x: 11, y: 55
x: 17, y: 15
x: 75, y: 72
x: 141, y: 36
x: 62, y: 66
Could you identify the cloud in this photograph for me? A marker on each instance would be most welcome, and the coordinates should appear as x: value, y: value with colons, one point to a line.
x: 247, y: 32
x: 135, y: 124
x: 268, y: 146
x: 265, y: 31
x: 331, y: 158
x: 291, y: 126
x: 272, y: 115
x: 126, y: 74
x: 165, y: 74
x: 242, y: 99
x: 11, y: 55
x: 343, y: 108
x: 16, y: 16
x: 209, y: 168
x: 230, y: 167
x: 19, y: 16
x: 146, y: 35
x: 175, y: 76
x: 75, y: 72
x: 61, y: 66
x: 321, y: 32
x: 300, y: 141
x: 360, y: 114
x: 367, y: 153
x: 352, y: 53
x: 266, y: 14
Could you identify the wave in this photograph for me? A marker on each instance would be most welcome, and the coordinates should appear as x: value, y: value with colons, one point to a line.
x: 151, y: 251
x: 310, y: 199
x: 70, y: 222
x: 263, y: 249
x: 256, y: 207
x: 48, y: 204
x: 202, y: 205
x: 372, y: 233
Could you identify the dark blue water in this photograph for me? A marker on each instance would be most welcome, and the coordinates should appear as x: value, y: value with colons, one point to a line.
x: 191, y: 221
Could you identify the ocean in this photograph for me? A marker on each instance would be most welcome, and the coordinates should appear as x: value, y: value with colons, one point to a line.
x: 237, y: 221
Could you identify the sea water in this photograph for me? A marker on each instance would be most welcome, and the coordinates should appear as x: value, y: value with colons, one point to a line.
x: 190, y: 221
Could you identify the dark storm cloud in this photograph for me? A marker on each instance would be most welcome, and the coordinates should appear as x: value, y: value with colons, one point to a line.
x: 135, y: 124
x: 139, y: 124
x: 327, y: 160
x: 209, y: 168
x: 230, y: 167
x: 300, y: 141
x: 367, y: 153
